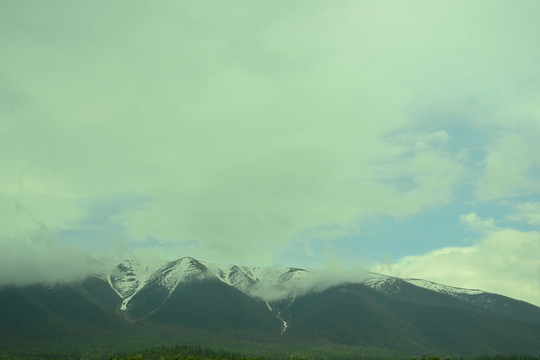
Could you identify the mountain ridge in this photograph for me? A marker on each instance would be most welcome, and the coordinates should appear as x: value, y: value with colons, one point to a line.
x: 283, y: 283
x: 191, y: 299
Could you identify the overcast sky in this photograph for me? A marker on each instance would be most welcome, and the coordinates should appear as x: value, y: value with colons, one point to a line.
x: 399, y: 135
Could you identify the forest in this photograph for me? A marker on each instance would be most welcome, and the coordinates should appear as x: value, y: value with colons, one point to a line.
x: 198, y: 352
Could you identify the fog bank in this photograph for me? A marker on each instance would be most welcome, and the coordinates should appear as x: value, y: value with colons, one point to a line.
x: 301, y: 282
x: 39, y: 257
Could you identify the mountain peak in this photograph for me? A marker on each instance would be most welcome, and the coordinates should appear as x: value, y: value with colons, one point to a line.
x: 382, y: 311
x: 269, y: 284
x: 182, y: 270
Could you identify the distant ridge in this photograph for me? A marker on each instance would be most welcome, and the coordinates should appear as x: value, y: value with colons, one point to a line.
x: 192, y: 299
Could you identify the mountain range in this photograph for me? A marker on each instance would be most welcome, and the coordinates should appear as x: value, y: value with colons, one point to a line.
x: 188, y: 300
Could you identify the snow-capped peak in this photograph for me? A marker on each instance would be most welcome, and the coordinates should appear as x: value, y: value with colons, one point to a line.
x: 182, y: 270
x: 444, y: 289
x: 269, y: 284
x: 392, y: 285
x: 240, y: 277
x: 130, y: 277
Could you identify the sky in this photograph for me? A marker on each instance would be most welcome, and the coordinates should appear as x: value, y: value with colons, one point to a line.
x: 398, y: 136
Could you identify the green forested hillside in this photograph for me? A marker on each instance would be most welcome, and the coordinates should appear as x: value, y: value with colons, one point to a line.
x: 350, y: 321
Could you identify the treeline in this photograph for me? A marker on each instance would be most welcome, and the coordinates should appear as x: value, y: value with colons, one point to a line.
x: 179, y: 352
x: 197, y: 352
x: 483, y: 357
x: 501, y: 357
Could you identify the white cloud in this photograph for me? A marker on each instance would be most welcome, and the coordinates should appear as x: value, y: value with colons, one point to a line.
x: 421, y: 169
x: 249, y: 125
x: 503, y: 261
x: 38, y: 257
x: 318, y: 279
x: 508, y: 168
x: 528, y: 212
x: 474, y: 222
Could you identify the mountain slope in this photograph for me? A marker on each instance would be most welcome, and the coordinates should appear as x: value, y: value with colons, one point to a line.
x: 213, y: 305
x: 191, y: 299
x: 39, y: 315
x: 356, y: 314
x: 429, y: 293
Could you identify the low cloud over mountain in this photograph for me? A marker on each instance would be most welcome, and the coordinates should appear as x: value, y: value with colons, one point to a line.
x: 38, y: 257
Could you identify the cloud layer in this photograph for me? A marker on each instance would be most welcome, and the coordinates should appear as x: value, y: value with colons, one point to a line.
x: 502, y: 260
x: 38, y: 257
x: 333, y: 273
x: 243, y: 132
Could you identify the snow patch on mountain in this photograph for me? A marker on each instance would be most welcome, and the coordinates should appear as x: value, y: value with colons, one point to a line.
x: 391, y: 285
x: 266, y: 283
x: 182, y: 270
x: 383, y: 283
x: 241, y: 277
x: 278, y: 315
x: 269, y: 284
x: 129, y: 277
x: 297, y: 282
x: 443, y: 289
x: 278, y: 284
